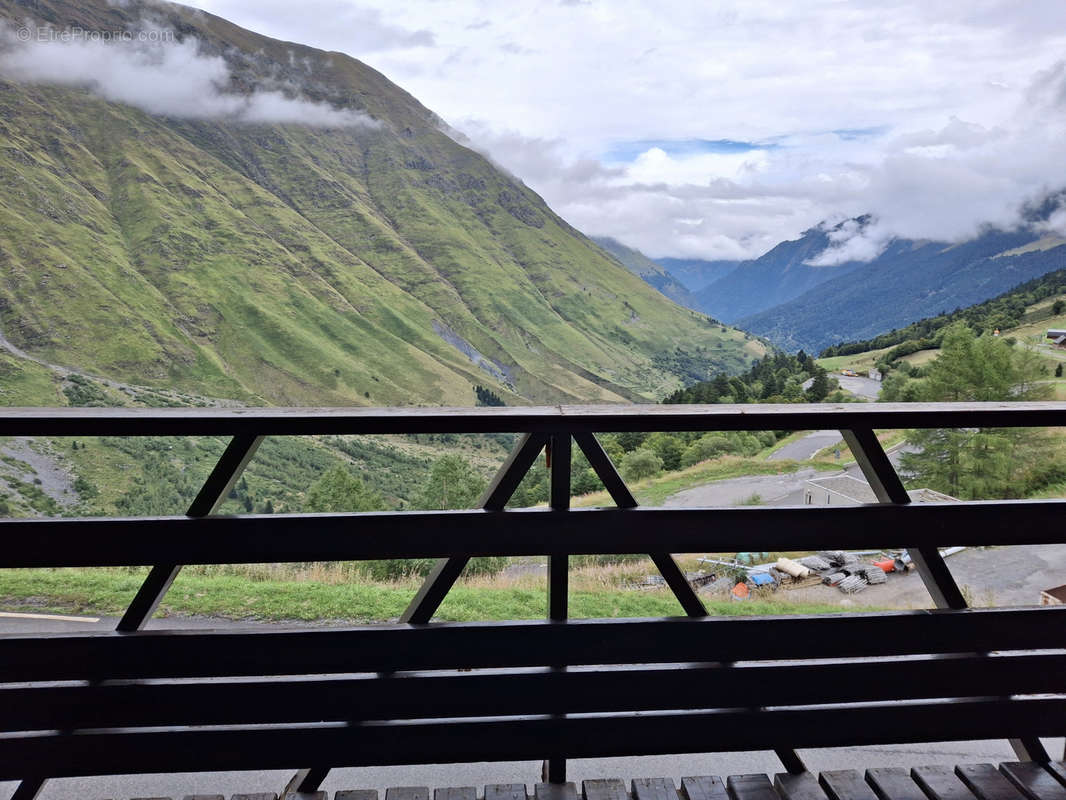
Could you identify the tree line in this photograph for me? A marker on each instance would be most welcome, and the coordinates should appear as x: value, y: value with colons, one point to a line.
x: 1003, y: 311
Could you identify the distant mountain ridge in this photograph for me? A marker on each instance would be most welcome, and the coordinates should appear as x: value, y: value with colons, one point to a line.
x: 784, y: 298
x: 907, y: 282
x: 695, y: 273
x: 775, y: 277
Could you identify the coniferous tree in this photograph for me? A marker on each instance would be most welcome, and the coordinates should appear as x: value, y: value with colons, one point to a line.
x: 977, y: 463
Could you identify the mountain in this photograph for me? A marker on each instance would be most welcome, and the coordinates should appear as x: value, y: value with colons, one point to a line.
x: 771, y: 279
x: 908, y: 281
x: 651, y: 272
x: 377, y: 262
x: 1025, y: 304
x: 695, y: 273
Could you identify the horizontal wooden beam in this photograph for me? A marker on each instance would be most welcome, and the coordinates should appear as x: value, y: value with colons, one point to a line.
x: 152, y: 653
x: 544, y: 690
x: 520, y: 419
x: 345, y: 744
x: 277, y: 538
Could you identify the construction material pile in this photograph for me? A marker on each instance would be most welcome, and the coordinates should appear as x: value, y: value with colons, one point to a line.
x: 848, y: 573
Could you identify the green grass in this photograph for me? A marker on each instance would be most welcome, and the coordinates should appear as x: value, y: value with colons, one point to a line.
x: 109, y: 591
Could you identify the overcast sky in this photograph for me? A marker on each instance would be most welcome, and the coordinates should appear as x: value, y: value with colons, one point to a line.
x: 717, y: 129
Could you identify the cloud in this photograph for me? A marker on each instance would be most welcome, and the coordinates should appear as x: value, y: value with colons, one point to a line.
x: 703, y: 200
x: 926, y: 115
x: 353, y: 29
x: 159, y: 75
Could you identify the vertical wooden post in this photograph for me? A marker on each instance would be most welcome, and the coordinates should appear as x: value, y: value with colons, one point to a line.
x: 558, y: 455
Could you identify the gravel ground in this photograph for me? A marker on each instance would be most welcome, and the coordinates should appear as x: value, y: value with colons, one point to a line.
x: 56, y: 482
x: 993, y: 576
x: 807, y: 447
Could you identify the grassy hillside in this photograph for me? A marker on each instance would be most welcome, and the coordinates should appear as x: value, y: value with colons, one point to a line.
x: 1022, y: 315
x: 294, y: 265
x: 653, y: 273
x: 1027, y: 303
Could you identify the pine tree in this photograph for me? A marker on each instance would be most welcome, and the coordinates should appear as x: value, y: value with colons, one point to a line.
x: 977, y: 463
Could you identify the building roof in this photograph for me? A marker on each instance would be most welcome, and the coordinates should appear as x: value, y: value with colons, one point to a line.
x: 846, y: 486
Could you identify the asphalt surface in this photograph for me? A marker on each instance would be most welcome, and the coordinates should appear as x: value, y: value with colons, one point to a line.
x: 862, y: 387
x: 786, y: 489
x: 807, y: 447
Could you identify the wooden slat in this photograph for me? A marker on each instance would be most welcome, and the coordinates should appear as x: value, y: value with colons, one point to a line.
x: 271, y: 796
x: 157, y: 653
x: 604, y: 789
x: 604, y: 468
x: 521, y: 738
x: 845, y: 784
x: 510, y: 474
x: 1058, y: 769
x: 315, y: 795
x: 524, y: 691
x: 894, y: 783
x: 592, y: 419
x: 29, y: 787
x: 453, y: 793
x: 941, y: 783
x: 204, y: 797
x: 256, y: 538
x: 1033, y: 781
x: 888, y: 488
x: 704, y: 787
x: 750, y: 787
x: 240, y: 450
x: 407, y: 793
x: 985, y: 781
x: 506, y: 791
x: 555, y: 791
x: 654, y: 789
x: 434, y: 589
x: 356, y: 794
x: 798, y: 786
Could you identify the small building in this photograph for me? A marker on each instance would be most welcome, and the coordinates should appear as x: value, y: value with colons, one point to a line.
x: 845, y: 490
x: 1057, y: 336
x: 1053, y: 597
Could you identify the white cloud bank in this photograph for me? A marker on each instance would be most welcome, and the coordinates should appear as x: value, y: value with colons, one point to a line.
x: 166, y: 78
x: 935, y: 118
x: 944, y: 184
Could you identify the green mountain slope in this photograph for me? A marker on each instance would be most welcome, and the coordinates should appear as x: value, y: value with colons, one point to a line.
x: 1007, y: 311
x: 305, y: 265
x: 653, y: 273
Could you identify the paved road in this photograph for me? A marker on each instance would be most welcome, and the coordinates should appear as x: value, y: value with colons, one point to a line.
x: 862, y: 387
x: 772, y: 490
x: 807, y: 447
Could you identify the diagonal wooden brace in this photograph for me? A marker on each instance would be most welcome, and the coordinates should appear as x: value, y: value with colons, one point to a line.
x: 939, y: 582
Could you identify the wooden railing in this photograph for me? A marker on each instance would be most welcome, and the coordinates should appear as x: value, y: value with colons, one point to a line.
x: 203, y: 537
